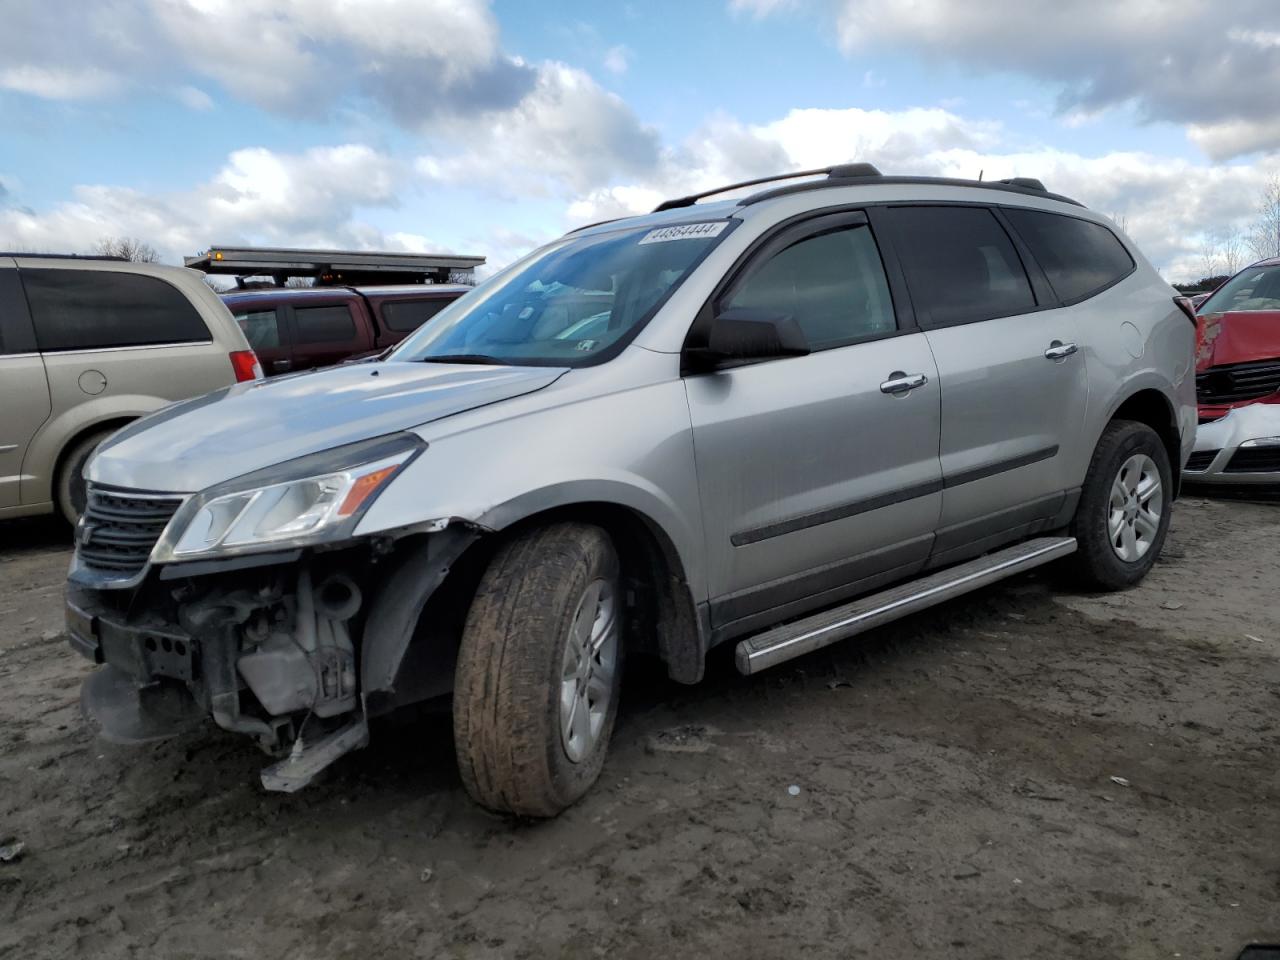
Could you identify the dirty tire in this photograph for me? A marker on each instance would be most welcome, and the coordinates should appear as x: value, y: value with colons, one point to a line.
x: 1096, y: 563
x: 506, y: 703
x: 70, y: 489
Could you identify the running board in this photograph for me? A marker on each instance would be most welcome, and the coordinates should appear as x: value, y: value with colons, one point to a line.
x: 794, y: 639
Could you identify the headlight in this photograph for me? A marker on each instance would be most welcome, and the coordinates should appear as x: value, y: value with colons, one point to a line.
x: 310, y: 500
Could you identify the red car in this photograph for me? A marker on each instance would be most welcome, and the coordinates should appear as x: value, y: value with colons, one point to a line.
x: 1238, y: 342
x: 298, y: 328
x: 1238, y: 383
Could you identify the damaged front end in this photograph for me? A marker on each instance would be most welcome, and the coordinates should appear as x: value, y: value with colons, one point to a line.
x: 294, y: 640
x: 1237, y: 361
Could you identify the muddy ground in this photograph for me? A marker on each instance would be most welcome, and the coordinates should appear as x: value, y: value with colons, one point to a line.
x: 955, y: 797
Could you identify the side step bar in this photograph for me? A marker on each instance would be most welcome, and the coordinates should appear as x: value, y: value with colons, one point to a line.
x: 779, y: 644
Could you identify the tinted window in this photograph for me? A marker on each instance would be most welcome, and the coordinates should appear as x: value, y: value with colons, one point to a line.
x: 961, y: 266
x: 832, y: 284
x: 261, y: 328
x: 324, y: 324
x: 93, y: 309
x: 405, y: 315
x: 1078, y: 257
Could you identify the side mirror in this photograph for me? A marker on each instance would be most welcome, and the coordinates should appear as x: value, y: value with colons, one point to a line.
x: 741, y: 334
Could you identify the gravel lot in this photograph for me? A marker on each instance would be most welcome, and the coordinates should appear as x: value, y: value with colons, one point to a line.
x: 955, y: 797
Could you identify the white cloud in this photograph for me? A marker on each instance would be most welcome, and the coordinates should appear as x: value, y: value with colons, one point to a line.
x: 617, y: 60
x: 59, y: 82
x: 567, y: 132
x: 258, y: 196
x: 759, y: 8
x: 1190, y: 62
x: 193, y: 98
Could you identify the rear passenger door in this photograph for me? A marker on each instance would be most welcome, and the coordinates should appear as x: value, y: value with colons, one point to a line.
x: 1014, y: 388
x: 24, y: 390
x: 328, y: 333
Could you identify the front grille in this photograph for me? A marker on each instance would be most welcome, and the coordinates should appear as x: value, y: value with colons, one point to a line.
x: 1255, y: 460
x: 1235, y: 382
x: 119, y: 528
x: 1201, y: 459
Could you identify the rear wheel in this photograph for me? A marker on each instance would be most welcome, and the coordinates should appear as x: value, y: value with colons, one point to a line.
x: 539, y: 670
x: 70, y: 488
x: 1125, y: 505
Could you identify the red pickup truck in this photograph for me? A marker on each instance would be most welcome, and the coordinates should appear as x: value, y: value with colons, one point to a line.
x: 297, y: 328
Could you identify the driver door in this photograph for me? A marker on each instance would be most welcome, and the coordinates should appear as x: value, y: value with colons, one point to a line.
x: 819, y: 478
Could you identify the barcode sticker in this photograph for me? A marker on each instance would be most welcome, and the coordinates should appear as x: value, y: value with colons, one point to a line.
x: 685, y: 231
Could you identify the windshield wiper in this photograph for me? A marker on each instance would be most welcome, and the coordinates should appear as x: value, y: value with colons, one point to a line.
x: 477, y: 358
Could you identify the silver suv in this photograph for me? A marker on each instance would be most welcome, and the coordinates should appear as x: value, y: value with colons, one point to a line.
x: 88, y: 345
x: 776, y: 422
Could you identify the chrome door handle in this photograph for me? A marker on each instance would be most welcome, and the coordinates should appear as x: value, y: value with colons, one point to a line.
x: 1059, y: 350
x: 900, y: 383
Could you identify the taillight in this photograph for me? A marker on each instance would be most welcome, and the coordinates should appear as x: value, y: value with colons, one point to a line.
x: 1187, y: 307
x: 245, y: 364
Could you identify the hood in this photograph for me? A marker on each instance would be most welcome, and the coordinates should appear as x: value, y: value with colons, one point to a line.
x: 231, y: 432
x: 1237, y: 337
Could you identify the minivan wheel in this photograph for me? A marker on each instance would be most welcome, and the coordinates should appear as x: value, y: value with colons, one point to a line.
x: 1123, y: 516
x: 539, y: 671
x: 70, y: 489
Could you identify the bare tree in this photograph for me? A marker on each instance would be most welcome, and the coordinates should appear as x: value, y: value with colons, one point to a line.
x: 1210, y: 255
x: 1264, y: 237
x: 128, y: 248
x: 1231, y: 249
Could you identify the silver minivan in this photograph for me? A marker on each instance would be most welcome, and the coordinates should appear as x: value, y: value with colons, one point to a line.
x: 88, y: 345
x: 773, y: 422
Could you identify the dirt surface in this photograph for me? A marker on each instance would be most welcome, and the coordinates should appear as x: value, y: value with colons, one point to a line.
x: 944, y: 788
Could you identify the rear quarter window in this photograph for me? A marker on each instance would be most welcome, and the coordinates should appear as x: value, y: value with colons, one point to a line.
x: 403, y: 316
x: 98, y: 309
x: 1079, y: 258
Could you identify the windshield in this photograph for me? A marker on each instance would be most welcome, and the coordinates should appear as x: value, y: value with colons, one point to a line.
x: 1256, y: 288
x: 574, y: 303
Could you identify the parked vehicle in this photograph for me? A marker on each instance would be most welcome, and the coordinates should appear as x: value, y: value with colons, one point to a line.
x: 88, y: 345
x: 776, y: 421
x: 299, y: 328
x: 1238, y: 381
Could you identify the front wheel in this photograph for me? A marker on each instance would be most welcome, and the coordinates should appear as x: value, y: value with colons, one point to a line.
x: 539, y: 671
x: 1125, y: 505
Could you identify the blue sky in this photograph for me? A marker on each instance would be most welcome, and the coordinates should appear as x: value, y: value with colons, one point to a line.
x: 425, y: 124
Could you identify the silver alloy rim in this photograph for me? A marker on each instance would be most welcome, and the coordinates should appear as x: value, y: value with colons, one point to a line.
x: 1133, y: 516
x: 590, y: 659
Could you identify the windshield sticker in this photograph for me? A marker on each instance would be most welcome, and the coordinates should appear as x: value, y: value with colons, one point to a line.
x: 685, y: 231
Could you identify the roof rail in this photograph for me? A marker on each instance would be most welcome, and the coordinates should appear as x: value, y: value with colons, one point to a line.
x: 61, y: 256
x: 839, y: 171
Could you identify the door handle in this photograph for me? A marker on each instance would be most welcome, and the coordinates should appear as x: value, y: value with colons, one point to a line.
x: 280, y: 365
x: 1059, y: 350
x: 900, y: 383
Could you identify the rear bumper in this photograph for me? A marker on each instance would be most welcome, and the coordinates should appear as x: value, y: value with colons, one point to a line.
x: 1233, y: 451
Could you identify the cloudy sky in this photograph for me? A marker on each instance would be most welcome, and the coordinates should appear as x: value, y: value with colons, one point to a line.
x: 467, y: 126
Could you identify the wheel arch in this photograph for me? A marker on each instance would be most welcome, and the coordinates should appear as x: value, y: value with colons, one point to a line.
x: 1150, y: 406
x: 111, y: 423
x: 665, y: 621
x: 415, y: 620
